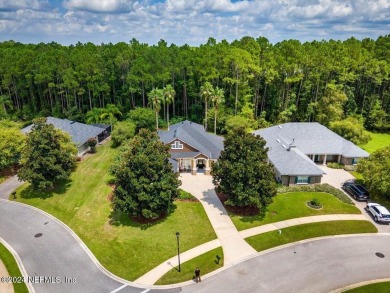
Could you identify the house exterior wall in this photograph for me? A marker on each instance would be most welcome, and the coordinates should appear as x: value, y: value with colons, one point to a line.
x: 186, y: 147
x: 290, y: 180
x: 346, y: 161
x: 82, y: 149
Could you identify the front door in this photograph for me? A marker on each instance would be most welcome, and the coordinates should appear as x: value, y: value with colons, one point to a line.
x: 200, y: 164
x: 316, y: 158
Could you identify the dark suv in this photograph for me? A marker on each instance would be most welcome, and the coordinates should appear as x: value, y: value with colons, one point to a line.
x: 357, y: 191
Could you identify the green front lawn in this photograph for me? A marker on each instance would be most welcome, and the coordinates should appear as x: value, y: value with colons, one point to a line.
x: 372, y: 288
x: 378, y: 141
x: 206, y: 262
x: 306, y: 231
x: 293, y: 205
x: 12, y: 268
x: 126, y: 248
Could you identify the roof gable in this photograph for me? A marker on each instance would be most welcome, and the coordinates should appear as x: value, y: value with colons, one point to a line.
x: 195, y: 136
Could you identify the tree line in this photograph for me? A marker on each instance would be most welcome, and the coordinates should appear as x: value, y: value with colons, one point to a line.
x: 260, y: 81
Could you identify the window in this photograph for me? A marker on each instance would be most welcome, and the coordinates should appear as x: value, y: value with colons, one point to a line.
x: 354, y: 161
x: 177, y: 145
x: 302, y: 179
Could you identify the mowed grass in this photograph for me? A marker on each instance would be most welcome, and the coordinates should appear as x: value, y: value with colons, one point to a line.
x: 378, y: 141
x: 126, y: 248
x: 206, y: 262
x: 382, y: 287
x: 293, y: 205
x: 12, y: 268
x: 306, y: 231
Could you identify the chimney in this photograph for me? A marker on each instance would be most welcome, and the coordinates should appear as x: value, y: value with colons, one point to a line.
x: 291, y: 145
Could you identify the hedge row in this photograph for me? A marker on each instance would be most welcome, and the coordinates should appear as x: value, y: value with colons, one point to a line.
x: 317, y: 188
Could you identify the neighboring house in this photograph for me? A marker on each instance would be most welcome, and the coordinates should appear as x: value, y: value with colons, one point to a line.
x: 295, y: 148
x: 79, y: 132
x: 192, y: 148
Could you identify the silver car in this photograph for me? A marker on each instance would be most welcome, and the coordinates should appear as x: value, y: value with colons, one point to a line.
x: 380, y: 213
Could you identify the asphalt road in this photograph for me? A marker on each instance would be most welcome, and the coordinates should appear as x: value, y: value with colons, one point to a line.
x: 48, y: 250
x: 317, y: 266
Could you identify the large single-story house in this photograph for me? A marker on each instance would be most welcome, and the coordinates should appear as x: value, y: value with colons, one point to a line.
x: 192, y: 149
x: 79, y: 132
x: 296, y: 148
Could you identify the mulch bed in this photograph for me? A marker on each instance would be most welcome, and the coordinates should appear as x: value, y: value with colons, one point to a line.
x: 240, y: 211
x: 142, y: 220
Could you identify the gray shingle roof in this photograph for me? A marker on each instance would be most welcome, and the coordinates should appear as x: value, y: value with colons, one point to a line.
x: 308, y: 138
x: 79, y: 132
x: 184, y: 155
x: 194, y: 135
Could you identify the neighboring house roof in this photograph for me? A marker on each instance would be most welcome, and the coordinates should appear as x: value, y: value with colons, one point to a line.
x: 195, y: 136
x: 79, y: 132
x: 101, y: 125
x: 306, y: 138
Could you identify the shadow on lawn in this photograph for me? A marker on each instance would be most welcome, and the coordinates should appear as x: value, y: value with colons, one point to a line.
x: 61, y: 188
x: 122, y: 219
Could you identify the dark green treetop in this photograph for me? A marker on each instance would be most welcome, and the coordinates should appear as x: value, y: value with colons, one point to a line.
x: 145, y: 182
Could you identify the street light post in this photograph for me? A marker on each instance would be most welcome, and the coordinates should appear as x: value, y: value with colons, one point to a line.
x: 178, y: 248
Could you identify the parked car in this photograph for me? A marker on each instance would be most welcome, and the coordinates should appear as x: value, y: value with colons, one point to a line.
x: 357, y: 191
x: 380, y: 213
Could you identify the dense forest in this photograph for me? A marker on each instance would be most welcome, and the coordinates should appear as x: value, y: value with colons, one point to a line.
x: 266, y: 83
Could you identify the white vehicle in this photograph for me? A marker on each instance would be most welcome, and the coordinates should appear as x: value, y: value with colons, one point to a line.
x: 380, y: 213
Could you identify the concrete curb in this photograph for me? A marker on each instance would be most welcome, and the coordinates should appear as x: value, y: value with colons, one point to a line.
x: 360, y: 285
x: 85, y: 248
x: 19, y: 263
x: 270, y: 251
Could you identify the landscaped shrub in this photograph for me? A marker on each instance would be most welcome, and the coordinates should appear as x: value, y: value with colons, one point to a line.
x: 314, y: 203
x: 334, y: 165
x: 92, y: 142
x: 317, y: 188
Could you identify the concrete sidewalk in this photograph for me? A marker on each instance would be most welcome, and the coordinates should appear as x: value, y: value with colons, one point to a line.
x: 152, y: 276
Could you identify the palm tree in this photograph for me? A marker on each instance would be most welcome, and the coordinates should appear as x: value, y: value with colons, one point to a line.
x: 169, y: 95
x: 216, y: 97
x: 110, y: 111
x: 94, y: 115
x: 205, y: 92
x: 155, y: 98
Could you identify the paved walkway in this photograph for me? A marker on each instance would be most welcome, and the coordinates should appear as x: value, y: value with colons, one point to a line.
x: 234, y: 246
x: 8, y: 186
x: 152, y: 276
x: 5, y: 287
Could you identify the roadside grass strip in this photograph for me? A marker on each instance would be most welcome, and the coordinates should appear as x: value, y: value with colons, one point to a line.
x: 126, y: 248
x: 13, y: 269
x: 293, y: 205
x: 371, y: 288
x: 206, y: 262
x: 300, y: 232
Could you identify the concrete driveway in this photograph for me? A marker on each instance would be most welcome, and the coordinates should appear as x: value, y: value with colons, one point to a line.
x: 336, y: 177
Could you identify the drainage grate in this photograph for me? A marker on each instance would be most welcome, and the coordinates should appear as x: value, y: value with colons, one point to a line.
x: 378, y: 254
x: 38, y: 235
